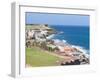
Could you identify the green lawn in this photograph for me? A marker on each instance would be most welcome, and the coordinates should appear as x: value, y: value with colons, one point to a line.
x: 38, y: 57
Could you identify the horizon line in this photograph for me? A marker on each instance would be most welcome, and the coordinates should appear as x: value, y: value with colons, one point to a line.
x: 62, y: 25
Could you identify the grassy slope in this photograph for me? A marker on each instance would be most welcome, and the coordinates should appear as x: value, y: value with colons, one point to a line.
x: 28, y: 27
x: 37, y: 57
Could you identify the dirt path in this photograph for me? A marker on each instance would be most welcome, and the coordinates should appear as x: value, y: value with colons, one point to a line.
x: 66, y: 58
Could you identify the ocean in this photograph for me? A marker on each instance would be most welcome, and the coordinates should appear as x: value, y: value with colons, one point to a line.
x: 74, y: 35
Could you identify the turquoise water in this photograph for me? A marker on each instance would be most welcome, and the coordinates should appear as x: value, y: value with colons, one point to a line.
x: 74, y: 35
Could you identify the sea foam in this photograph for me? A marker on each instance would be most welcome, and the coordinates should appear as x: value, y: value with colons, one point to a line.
x: 83, y: 50
x: 50, y: 36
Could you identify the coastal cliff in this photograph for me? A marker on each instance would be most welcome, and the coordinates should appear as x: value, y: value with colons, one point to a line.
x: 39, y: 27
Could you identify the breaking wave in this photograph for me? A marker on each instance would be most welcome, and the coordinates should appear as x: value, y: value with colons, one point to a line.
x: 50, y: 36
x: 83, y: 50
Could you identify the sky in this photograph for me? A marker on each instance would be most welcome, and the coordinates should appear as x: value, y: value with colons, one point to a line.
x: 57, y: 19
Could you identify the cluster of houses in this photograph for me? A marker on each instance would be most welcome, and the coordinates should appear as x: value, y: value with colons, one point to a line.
x: 36, y: 33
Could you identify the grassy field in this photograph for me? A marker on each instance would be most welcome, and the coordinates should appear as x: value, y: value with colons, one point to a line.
x: 38, y: 57
x: 28, y: 27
